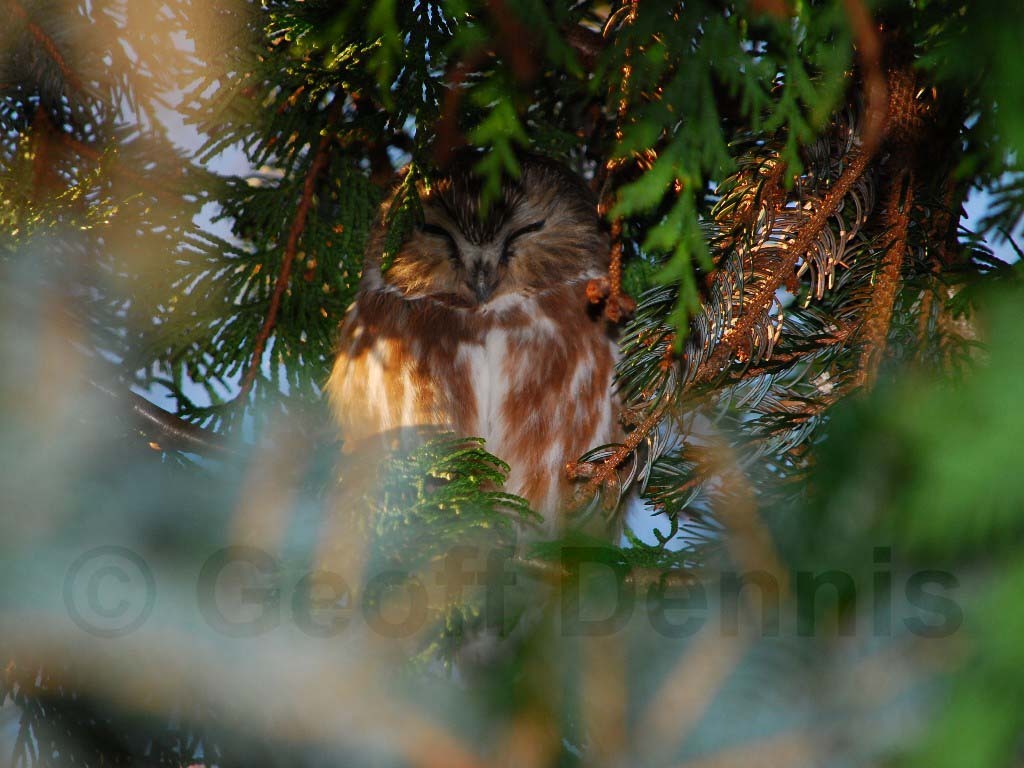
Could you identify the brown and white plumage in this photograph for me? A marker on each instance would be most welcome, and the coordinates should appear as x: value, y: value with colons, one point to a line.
x: 481, y: 326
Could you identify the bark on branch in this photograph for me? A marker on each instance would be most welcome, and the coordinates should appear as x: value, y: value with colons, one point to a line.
x: 167, y: 431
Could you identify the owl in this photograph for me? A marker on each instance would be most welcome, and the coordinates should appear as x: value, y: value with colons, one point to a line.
x: 481, y: 326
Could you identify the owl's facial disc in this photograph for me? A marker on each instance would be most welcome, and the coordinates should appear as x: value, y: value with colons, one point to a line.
x: 490, y: 260
x: 543, y: 232
x: 481, y: 266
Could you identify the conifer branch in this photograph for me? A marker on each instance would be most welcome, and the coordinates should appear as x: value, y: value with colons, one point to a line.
x: 781, y: 360
x: 95, y: 155
x: 904, y: 120
x: 316, y: 167
x: 730, y: 341
x: 756, y: 306
x: 598, y: 476
x: 878, y: 316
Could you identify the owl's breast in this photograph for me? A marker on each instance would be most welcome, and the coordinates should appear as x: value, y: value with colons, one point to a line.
x: 543, y: 390
x: 532, y: 377
x: 483, y: 363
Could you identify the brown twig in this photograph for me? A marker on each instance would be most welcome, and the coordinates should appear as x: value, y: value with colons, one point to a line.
x: 946, y: 222
x: 316, y: 167
x: 617, y: 304
x: 514, y: 41
x: 599, y: 476
x: 904, y: 123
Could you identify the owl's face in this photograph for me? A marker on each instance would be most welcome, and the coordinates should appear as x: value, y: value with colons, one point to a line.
x: 542, y: 232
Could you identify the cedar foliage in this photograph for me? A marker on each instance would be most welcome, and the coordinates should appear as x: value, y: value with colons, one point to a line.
x: 784, y: 184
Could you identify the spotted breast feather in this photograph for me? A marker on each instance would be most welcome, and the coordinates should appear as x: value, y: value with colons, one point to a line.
x: 532, y: 376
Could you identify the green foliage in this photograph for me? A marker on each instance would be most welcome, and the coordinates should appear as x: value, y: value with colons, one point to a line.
x: 445, y: 493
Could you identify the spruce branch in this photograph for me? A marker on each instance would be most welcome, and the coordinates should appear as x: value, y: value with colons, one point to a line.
x: 783, y: 360
x: 759, y: 305
x: 598, y: 476
x: 878, y: 315
x: 722, y: 344
x: 146, y: 182
x: 903, y: 114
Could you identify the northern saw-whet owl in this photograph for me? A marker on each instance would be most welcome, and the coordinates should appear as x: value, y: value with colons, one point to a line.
x: 481, y: 326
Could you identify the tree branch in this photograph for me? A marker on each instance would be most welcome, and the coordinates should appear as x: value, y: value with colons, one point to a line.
x: 167, y: 431
x: 599, y: 475
x: 727, y: 345
x: 878, y: 317
x: 316, y: 166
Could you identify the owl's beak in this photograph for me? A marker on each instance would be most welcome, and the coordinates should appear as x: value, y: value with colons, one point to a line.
x: 484, y: 281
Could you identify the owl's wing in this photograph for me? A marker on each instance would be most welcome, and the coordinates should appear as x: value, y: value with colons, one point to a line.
x: 358, y: 385
x: 380, y: 389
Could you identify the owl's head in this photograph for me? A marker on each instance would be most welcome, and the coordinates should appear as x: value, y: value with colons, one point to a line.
x: 543, y: 231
